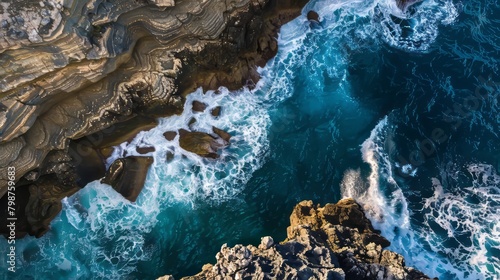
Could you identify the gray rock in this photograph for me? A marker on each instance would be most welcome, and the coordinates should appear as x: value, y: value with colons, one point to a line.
x: 322, y: 243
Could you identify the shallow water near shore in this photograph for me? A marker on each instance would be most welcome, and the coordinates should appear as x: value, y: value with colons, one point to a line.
x: 402, y: 115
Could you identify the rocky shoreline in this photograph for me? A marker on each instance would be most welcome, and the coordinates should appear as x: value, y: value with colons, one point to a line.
x: 336, y: 241
x: 79, y: 77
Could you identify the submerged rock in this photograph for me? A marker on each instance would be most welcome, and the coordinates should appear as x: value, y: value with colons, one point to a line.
x: 336, y: 241
x: 403, y: 5
x: 127, y: 176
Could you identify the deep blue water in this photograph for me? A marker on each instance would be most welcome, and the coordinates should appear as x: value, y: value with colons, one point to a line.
x: 402, y: 114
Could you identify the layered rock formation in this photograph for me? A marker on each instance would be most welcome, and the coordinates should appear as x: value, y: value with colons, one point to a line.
x: 336, y: 241
x: 76, y: 77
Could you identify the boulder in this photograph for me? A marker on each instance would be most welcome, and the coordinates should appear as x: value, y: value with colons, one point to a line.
x: 170, y: 135
x: 145, y: 150
x: 200, y: 143
x: 216, y: 111
x: 127, y: 176
x: 312, y: 16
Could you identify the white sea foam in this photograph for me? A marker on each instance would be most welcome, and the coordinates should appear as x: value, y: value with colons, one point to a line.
x: 471, y: 218
x: 413, y: 30
x: 187, y: 176
x: 385, y: 204
x: 98, y: 216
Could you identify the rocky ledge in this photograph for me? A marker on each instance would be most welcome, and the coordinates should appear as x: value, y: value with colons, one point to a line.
x: 336, y: 241
x: 79, y: 77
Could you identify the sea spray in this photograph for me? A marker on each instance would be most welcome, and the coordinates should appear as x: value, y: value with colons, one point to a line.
x: 385, y: 204
x: 469, y: 217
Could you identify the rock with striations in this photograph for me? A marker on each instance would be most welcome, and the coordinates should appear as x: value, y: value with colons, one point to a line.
x: 72, y: 69
x: 336, y: 241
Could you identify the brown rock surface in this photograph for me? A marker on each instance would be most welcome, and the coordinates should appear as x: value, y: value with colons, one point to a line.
x: 199, y: 106
x: 216, y: 111
x: 222, y: 134
x: 127, y: 176
x: 312, y: 15
x: 170, y: 135
x: 201, y: 143
x: 145, y: 150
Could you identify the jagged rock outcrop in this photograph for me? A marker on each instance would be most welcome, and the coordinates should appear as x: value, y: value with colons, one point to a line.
x: 336, y: 241
x: 72, y: 72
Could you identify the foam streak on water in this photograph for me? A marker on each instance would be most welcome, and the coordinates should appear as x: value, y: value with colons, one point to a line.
x: 474, y: 212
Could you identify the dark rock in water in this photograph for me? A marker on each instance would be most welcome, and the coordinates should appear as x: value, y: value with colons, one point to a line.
x: 322, y: 243
x: 200, y: 143
x: 404, y: 4
x: 88, y: 163
x: 216, y: 111
x: 312, y: 16
x: 127, y: 176
x: 199, y: 106
x: 170, y: 156
x: 191, y: 122
x: 170, y: 135
x: 41, y: 210
x: 145, y: 150
x: 222, y: 134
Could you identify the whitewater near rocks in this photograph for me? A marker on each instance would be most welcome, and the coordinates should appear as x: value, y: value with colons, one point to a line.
x: 341, y: 111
